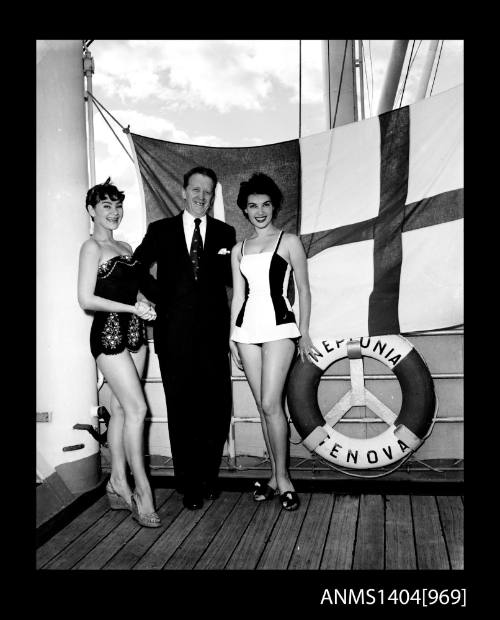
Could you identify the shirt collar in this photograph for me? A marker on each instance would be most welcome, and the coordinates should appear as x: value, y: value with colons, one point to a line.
x: 189, y: 219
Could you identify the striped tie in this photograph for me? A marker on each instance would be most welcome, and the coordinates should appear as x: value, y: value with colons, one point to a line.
x: 196, y: 248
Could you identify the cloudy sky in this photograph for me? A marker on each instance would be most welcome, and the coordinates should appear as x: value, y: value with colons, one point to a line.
x: 228, y: 93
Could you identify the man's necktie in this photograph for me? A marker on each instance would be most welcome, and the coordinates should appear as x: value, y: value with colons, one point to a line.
x: 196, y: 248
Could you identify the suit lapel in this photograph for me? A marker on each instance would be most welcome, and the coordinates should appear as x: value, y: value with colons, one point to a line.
x: 181, y: 249
x: 209, y: 246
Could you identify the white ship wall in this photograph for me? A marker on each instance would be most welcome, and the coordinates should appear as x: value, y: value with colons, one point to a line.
x: 443, y: 354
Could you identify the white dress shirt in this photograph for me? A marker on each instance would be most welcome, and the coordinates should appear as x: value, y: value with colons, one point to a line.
x: 189, y: 226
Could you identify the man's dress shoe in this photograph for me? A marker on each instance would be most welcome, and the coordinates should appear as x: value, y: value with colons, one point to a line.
x: 211, y: 491
x: 192, y: 501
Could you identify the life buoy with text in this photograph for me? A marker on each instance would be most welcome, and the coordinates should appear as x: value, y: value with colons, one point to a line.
x: 406, y: 431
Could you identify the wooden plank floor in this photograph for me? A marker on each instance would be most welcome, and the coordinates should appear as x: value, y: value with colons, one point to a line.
x: 329, y: 531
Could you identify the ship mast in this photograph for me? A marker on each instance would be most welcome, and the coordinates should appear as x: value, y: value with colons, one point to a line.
x: 392, y: 76
x: 340, y: 82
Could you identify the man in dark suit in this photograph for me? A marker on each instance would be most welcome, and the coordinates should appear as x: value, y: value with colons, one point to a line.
x: 191, y: 332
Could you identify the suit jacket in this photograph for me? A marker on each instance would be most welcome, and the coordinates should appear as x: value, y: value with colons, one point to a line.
x: 192, y: 316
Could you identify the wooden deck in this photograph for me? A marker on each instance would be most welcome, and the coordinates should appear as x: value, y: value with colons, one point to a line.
x: 329, y: 531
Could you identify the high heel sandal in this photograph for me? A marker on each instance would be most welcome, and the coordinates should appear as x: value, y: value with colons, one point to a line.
x: 289, y: 500
x: 150, y: 519
x: 116, y: 501
x: 262, y: 493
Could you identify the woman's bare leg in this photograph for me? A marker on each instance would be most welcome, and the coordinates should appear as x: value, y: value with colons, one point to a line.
x: 117, y: 449
x: 251, y: 357
x: 276, y: 359
x: 123, y: 379
x: 142, y: 486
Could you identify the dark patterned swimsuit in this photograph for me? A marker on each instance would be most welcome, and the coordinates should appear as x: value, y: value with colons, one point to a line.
x: 112, y: 332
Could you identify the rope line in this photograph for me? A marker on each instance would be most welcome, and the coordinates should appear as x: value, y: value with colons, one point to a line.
x: 107, y: 123
x: 331, y: 126
x: 318, y: 211
x: 340, y: 82
x: 329, y: 83
x: 437, y: 65
x: 300, y: 88
x: 371, y: 65
x: 366, y: 76
x: 407, y: 73
x: 416, y: 52
x: 107, y: 111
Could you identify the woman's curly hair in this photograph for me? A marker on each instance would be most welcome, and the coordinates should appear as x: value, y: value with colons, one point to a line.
x: 259, y: 183
x: 101, y: 191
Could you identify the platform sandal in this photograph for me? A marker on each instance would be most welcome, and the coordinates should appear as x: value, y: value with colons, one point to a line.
x: 150, y: 519
x: 116, y: 501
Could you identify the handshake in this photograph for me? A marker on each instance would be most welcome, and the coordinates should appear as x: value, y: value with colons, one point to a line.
x: 144, y: 310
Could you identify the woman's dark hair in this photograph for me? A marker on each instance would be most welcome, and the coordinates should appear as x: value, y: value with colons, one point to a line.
x: 101, y: 191
x: 207, y: 172
x: 259, y: 183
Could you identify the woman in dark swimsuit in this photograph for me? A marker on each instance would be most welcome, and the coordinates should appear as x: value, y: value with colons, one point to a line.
x: 108, y: 283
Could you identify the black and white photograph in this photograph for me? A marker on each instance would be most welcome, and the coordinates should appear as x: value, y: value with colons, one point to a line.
x: 249, y: 315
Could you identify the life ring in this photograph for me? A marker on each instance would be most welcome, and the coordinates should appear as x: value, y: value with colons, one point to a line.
x: 405, y: 432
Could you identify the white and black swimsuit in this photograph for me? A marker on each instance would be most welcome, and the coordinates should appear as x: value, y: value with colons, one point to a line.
x: 266, y: 313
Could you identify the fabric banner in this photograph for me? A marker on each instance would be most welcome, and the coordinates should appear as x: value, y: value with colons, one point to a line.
x: 163, y: 165
x: 378, y: 205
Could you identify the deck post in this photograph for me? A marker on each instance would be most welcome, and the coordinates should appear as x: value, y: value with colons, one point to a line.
x: 66, y: 372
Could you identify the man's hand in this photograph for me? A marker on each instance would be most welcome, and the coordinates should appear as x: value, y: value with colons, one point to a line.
x: 145, y: 311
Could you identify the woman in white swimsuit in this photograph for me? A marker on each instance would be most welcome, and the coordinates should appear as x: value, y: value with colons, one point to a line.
x: 263, y: 326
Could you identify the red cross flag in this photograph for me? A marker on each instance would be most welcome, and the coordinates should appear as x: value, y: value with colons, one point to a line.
x: 378, y: 205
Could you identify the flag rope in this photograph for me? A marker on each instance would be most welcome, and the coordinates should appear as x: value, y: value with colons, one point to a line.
x: 107, y: 111
x: 340, y: 83
x: 437, y: 65
x: 300, y: 88
x: 312, y: 237
x: 125, y: 130
x: 366, y: 76
x: 410, y: 62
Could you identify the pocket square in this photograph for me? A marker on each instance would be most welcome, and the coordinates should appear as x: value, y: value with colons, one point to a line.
x: 224, y: 251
